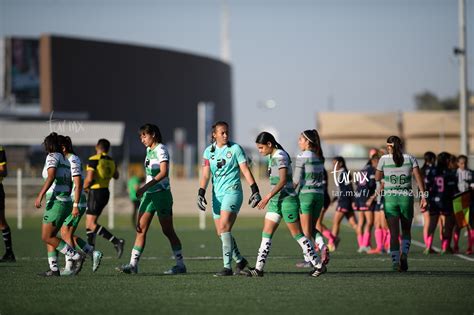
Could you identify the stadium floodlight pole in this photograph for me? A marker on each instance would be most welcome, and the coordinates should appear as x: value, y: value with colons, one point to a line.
x: 224, y: 36
x: 461, y: 52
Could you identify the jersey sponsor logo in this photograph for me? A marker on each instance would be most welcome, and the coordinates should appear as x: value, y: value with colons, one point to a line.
x: 228, y: 155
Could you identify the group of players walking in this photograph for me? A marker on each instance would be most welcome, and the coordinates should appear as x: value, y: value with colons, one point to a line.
x: 300, y: 197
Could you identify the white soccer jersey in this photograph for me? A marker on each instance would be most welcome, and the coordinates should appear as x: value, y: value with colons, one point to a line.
x: 397, y: 177
x: 76, y: 170
x: 152, y: 167
x: 61, y: 186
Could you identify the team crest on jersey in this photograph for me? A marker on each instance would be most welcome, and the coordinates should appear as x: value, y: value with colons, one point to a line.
x: 228, y: 155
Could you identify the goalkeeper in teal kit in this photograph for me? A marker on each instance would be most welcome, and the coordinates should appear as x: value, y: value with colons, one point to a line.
x: 224, y: 160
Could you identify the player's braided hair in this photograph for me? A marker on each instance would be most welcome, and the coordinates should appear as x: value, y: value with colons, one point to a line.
x: 314, y: 142
x: 397, y: 154
x: 216, y: 124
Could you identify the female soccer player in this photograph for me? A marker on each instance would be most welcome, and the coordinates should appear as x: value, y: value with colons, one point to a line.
x: 327, y: 202
x: 465, y: 183
x: 364, y: 202
x: 396, y: 168
x: 308, y: 180
x: 344, y: 201
x: 224, y: 160
x: 9, y: 256
x: 283, y: 202
x: 445, y: 187
x: 78, y: 209
x: 428, y: 170
x: 57, y: 188
x: 155, y: 198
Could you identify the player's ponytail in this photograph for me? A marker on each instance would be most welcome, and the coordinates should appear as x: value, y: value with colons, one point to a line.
x: 66, y: 142
x: 430, y: 160
x: 266, y: 137
x: 314, y: 142
x: 442, y: 162
x: 397, y: 150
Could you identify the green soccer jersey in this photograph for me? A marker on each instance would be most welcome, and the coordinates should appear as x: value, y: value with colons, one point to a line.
x: 397, y: 177
x: 309, y: 173
x: 224, y: 163
x: 281, y: 159
x: 154, y: 157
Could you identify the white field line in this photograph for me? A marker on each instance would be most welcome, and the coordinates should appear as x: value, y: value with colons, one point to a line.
x: 436, y: 249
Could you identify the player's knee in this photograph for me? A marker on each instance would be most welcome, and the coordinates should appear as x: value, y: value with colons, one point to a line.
x: 46, y: 238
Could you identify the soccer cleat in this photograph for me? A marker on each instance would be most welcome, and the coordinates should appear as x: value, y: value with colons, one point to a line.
x: 175, y: 270
x: 66, y: 272
x: 8, y: 257
x: 119, y: 247
x: 456, y: 250
x: 375, y: 251
x: 337, y: 240
x: 77, y: 265
x: 469, y: 252
x: 129, y: 269
x: 363, y: 249
x: 96, y: 259
x: 403, y: 263
x: 224, y: 273
x: 254, y: 272
x: 49, y: 273
x: 331, y: 247
x: 304, y: 264
x: 240, y: 266
x: 396, y: 267
x: 447, y: 251
x: 325, y: 255
x: 428, y: 251
x: 316, y: 272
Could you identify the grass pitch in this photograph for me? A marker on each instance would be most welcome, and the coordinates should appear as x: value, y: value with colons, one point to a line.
x: 354, y: 284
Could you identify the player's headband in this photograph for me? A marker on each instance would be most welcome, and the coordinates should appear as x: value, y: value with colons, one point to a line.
x: 307, y: 138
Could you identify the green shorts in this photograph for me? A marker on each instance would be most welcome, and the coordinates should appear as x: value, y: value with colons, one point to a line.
x: 160, y: 202
x: 398, y: 206
x: 287, y: 207
x: 312, y: 204
x: 56, y: 211
x: 227, y: 202
x: 74, y: 221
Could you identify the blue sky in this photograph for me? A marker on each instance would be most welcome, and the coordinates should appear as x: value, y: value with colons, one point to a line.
x: 356, y: 55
